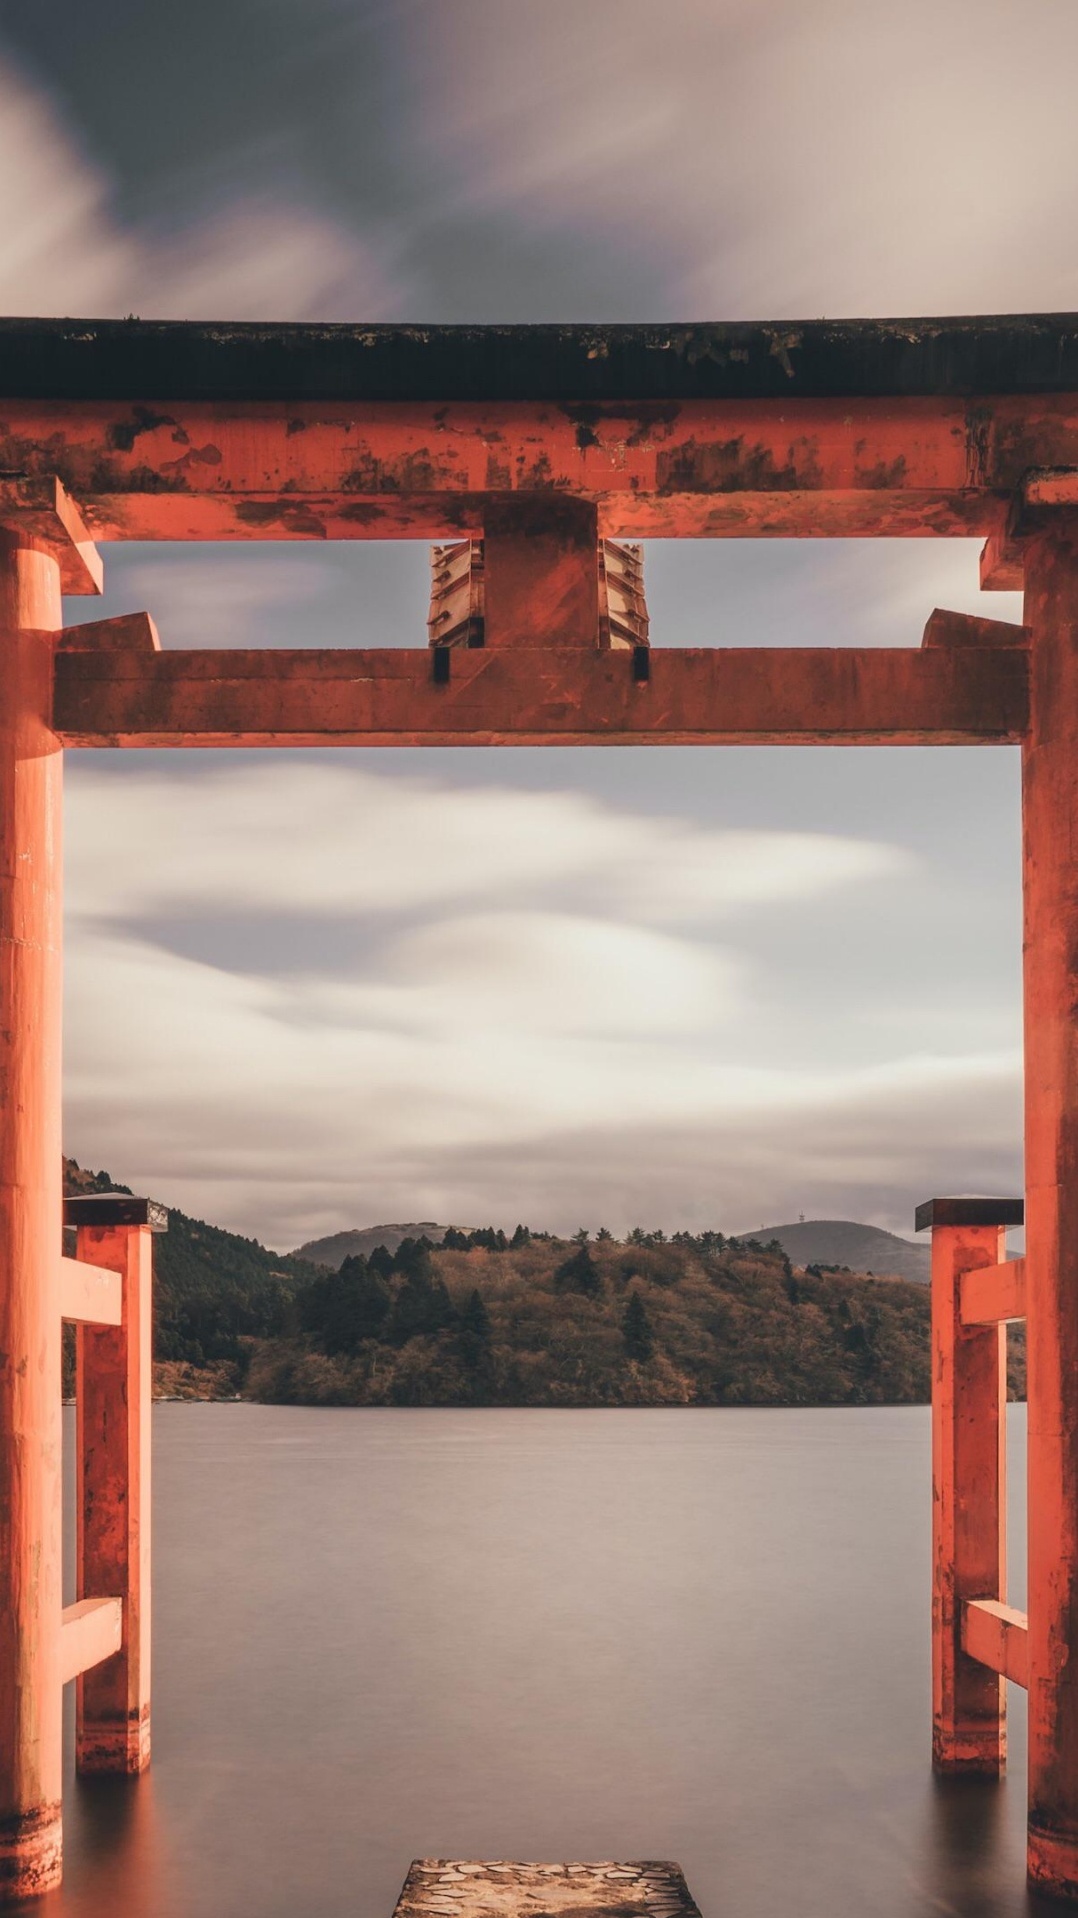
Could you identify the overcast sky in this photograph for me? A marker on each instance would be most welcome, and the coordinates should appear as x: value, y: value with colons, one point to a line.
x: 668, y: 986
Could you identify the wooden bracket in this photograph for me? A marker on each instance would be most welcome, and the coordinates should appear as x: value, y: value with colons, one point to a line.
x: 967, y: 629
x: 997, y: 1636
x: 127, y: 633
x: 550, y: 573
x: 1043, y: 489
x: 42, y: 509
x: 993, y: 1294
x: 1002, y: 565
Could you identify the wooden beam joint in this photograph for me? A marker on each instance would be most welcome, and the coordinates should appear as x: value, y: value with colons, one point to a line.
x: 126, y: 633
x: 944, y: 629
x: 993, y: 1294
x: 997, y: 1636
x: 41, y: 509
x: 90, y: 1294
x: 90, y: 1632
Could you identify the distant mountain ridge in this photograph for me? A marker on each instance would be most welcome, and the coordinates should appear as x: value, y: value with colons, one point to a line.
x: 361, y: 1241
x: 864, y: 1248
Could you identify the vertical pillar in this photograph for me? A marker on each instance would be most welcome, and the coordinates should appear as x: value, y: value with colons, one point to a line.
x: 969, y: 1407
x: 1050, y: 874
x: 30, y: 1245
x: 114, y: 1396
x: 541, y: 570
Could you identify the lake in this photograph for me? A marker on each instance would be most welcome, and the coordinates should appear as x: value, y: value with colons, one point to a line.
x: 689, y: 1634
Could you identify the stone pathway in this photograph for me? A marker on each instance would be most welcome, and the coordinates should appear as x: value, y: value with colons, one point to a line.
x: 471, y: 1888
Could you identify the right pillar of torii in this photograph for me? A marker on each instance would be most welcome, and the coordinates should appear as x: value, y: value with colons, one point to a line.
x: 1050, y: 878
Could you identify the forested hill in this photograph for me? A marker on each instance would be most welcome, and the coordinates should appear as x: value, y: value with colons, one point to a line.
x: 214, y: 1292
x: 483, y: 1319
x: 540, y: 1321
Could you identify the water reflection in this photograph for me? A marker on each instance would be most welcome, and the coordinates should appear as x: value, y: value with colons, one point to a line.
x: 697, y: 1635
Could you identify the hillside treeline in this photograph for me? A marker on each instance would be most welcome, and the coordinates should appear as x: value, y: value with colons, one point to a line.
x: 528, y: 1319
x: 701, y: 1320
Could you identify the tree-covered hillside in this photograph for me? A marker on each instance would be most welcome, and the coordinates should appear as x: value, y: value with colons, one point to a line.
x: 529, y: 1319
x: 539, y: 1321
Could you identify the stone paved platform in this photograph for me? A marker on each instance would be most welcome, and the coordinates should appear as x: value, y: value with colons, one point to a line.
x: 500, y: 1888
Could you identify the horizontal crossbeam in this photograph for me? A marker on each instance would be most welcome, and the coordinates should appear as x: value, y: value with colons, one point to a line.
x: 737, y: 696
x: 426, y: 468
x: 90, y: 1294
x: 90, y: 1632
x: 997, y: 1636
x: 993, y: 1294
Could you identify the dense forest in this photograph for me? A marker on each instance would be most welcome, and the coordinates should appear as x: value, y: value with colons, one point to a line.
x: 540, y: 1321
x: 530, y: 1319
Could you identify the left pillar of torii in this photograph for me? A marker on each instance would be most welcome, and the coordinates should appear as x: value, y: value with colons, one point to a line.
x: 45, y: 550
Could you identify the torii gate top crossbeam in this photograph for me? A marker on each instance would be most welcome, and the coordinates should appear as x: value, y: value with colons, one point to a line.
x: 542, y: 441
x: 170, y: 430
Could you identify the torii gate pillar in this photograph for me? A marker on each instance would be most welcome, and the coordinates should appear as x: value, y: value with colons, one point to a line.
x: 1050, y: 864
x: 30, y: 1223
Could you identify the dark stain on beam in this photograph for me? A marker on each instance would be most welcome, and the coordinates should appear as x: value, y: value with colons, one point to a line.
x: 721, y: 466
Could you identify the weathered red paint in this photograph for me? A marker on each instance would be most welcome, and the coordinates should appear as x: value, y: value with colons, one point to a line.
x: 540, y: 571
x: 993, y: 1294
x: 543, y: 696
x: 416, y: 470
x: 996, y: 1636
x: 1050, y: 864
x: 969, y: 1402
x: 114, y: 1398
x: 542, y: 482
x: 30, y: 1247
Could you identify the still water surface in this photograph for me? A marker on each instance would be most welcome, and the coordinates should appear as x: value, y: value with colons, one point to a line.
x: 699, y: 1635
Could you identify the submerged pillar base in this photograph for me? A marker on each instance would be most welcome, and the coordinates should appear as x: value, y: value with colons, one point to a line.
x: 1052, y: 1863
x: 31, y: 1854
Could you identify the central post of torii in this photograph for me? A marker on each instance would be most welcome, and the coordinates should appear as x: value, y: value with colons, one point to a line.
x: 44, y: 550
x: 1050, y: 870
x: 30, y: 1224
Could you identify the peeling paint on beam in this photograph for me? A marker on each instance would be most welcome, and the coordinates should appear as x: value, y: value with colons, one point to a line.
x: 569, y: 696
x: 697, y: 468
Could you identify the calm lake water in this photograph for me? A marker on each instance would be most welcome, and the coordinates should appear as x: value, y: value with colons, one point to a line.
x: 699, y: 1635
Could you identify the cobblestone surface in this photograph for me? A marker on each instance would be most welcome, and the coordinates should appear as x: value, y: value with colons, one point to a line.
x: 502, y: 1888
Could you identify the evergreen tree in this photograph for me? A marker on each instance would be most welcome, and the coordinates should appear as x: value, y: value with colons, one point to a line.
x: 579, y: 1273
x: 636, y: 1329
x: 421, y: 1305
x: 474, y: 1342
x: 381, y: 1261
x: 413, y: 1255
x: 340, y: 1309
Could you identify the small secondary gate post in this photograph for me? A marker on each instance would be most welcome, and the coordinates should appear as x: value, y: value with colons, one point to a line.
x: 969, y: 1484
x: 114, y: 1396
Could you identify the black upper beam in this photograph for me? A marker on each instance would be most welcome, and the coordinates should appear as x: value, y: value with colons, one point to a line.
x: 818, y: 359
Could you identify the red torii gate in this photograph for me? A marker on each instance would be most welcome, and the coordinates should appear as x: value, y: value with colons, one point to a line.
x: 542, y: 441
